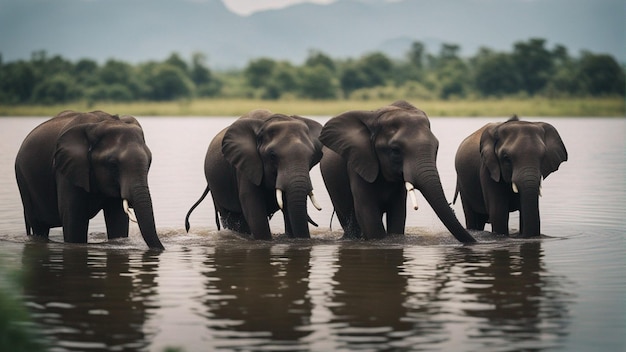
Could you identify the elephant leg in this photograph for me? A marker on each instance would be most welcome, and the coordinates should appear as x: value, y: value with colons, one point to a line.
x: 473, y: 219
x: 335, y: 174
x: 496, y: 196
x: 115, y: 218
x: 350, y: 225
x: 254, y: 210
x: 367, y: 209
x: 234, y: 221
x: 74, y: 211
x: 396, y: 215
x: 499, y: 218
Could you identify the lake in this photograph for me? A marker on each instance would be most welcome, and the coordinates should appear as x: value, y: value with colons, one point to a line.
x: 215, y: 289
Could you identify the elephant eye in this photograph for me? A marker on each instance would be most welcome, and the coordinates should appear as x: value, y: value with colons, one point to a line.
x: 273, y: 156
x: 395, y: 153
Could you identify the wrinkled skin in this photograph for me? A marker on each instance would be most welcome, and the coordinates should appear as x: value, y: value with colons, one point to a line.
x: 76, y: 164
x: 368, y: 160
x: 250, y: 160
x: 495, y: 158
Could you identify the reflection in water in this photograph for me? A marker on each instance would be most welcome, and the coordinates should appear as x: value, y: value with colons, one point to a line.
x: 369, y: 297
x: 90, y: 299
x: 517, y: 302
x: 295, y: 296
x: 258, y: 294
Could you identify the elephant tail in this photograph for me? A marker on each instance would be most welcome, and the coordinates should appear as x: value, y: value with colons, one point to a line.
x: 456, y: 192
x: 206, y: 191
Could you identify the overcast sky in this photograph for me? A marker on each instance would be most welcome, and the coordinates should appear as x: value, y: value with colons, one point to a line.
x: 246, y: 7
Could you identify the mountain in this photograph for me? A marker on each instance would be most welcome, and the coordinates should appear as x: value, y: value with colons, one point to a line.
x: 141, y: 30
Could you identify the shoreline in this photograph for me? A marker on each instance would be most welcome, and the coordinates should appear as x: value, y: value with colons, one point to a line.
x: 504, y: 107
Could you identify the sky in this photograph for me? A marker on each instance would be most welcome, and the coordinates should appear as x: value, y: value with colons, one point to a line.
x: 246, y: 7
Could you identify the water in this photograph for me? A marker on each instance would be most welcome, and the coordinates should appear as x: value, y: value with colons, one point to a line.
x: 215, y: 289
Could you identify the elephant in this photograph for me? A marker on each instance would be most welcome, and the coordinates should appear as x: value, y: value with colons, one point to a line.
x: 372, y: 159
x: 74, y: 165
x: 500, y: 168
x: 258, y: 165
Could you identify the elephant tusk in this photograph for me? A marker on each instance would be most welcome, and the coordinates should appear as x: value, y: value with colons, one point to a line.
x: 540, y: 185
x: 129, y: 211
x: 515, y: 188
x: 314, y: 201
x: 411, y: 189
x: 279, y: 198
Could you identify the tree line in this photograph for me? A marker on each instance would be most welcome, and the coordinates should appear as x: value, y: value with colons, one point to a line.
x: 529, y: 69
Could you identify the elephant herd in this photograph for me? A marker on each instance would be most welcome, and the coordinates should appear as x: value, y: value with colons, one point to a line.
x: 76, y: 164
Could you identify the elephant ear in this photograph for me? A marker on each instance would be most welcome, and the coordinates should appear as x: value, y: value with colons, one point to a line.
x: 239, y: 147
x: 488, y: 155
x: 350, y: 135
x: 71, y: 157
x: 555, y: 150
x: 315, y: 129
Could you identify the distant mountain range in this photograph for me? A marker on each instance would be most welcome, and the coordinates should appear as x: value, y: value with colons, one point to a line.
x: 141, y: 30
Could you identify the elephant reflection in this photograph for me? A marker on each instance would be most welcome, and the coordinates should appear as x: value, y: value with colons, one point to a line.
x: 260, y: 291
x: 519, y: 302
x: 370, y: 292
x: 84, y: 296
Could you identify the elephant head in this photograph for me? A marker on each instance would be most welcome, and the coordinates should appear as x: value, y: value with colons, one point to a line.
x: 521, y: 154
x: 110, y: 158
x: 394, y: 143
x: 275, y: 152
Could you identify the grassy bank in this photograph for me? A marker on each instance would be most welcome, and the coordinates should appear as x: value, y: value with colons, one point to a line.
x: 236, y: 107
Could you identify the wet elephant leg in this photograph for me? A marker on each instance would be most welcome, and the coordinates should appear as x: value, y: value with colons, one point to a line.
x: 473, y: 219
x: 396, y: 214
x: 254, y: 210
x: 367, y: 210
x: 74, y: 211
x: 115, y: 218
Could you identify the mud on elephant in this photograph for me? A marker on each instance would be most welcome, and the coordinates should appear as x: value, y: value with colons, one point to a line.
x: 76, y: 164
x: 500, y: 168
x: 372, y: 159
x: 261, y: 164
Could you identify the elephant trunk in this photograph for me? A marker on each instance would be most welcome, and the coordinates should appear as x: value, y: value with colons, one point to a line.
x: 296, y: 189
x: 142, y: 203
x: 425, y: 177
x: 528, y: 185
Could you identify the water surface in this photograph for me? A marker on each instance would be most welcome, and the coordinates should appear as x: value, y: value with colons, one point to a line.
x: 423, y: 291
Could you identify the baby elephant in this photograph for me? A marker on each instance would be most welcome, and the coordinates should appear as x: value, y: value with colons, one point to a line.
x: 258, y: 165
x: 499, y: 170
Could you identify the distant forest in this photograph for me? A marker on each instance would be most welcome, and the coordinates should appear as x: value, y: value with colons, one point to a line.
x: 529, y: 69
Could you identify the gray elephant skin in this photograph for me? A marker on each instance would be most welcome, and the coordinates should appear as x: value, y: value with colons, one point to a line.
x: 258, y: 165
x: 371, y: 159
x: 76, y: 164
x: 500, y: 168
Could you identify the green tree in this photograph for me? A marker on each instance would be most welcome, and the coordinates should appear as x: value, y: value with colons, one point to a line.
x: 495, y: 73
x: 259, y: 71
x: 451, y: 71
x: 58, y: 88
x: 168, y: 82
x: 416, y: 55
x: 175, y: 60
x: 534, y: 64
x: 370, y: 70
x: 319, y: 58
x: 601, y: 75
x: 17, y: 82
x: 206, y: 84
x: 352, y: 79
x: 115, y: 71
x: 318, y: 82
x: 85, y: 71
